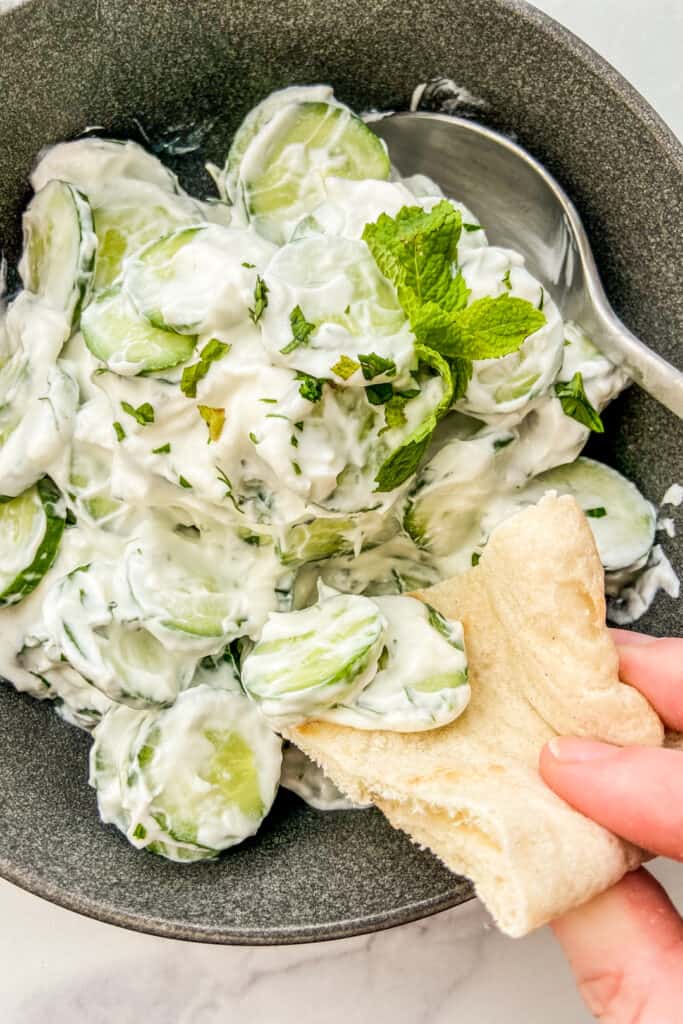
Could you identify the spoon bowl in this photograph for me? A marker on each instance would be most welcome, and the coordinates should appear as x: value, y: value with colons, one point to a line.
x: 523, y: 207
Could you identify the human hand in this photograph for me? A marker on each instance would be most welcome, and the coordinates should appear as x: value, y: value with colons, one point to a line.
x: 626, y: 946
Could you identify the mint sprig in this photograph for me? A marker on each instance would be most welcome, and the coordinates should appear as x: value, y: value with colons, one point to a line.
x: 575, y: 403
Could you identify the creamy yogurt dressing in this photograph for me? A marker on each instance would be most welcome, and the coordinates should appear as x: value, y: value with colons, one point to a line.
x: 204, y: 507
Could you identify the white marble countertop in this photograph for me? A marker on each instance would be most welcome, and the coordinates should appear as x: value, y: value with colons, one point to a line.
x: 64, y: 969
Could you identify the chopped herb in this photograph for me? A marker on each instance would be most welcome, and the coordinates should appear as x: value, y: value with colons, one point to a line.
x: 294, y: 441
x: 212, y: 351
x: 118, y: 430
x: 310, y: 388
x: 260, y: 299
x: 506, y: 279
x: 502, y: 442
x: 345, y: 367
x: 276, y: 416
x: 379, y: 394
x: 475, y: 558
x: 144, y: 413
x: 139, y: 832
x: 249, y: 266
x: 297, y: 468
x: 394, y: 413
x: 224, y: 479
x: 184, y: 483
x: 163, y: 449
x: 576, y: 405
x: 299, y: 424
x: 472, y: 227
x: 596, y: 513
x: 253, y: 438
x: 541, y: 301
x: 268, y: 401
x: 214, y: 419
x: 373, y: 365
x: 301, y: 330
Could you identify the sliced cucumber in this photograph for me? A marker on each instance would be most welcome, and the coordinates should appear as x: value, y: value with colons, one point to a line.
x: 257, y: 118
x: 309, y: 660
x: 89, y: 480
x: 622, y: 520
x: 188, y: 782
x: 184, y: 597
x: 284, y: 167
x: 95, y: 629
x: 353, y: 310
x: 508, y: 384
x: 327, y: 536
x: 59, y: 247
x: 76, y: 700
x: 422, y: 680
x: 125, y: 342
x: 92, y: 164
x: 132, y: 216
x: 197, y: 278
x: 31, y: 528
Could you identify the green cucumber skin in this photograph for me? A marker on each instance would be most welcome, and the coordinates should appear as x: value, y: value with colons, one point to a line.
x: 29, y: 578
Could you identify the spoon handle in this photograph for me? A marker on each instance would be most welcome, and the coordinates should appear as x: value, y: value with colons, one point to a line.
x: 653, y: 373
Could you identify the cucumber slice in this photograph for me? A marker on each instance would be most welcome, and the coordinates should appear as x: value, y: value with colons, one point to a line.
x: 31, y: 528
x: 188, y: 782
x: 327, y: 536
x: 622, y: 520
x: 422, y: 680
x: 59, y: 247
x: 283, y: 170
x: 89, y: 619
x: 257, y: 118
x: 196, y: 278
x: 443, y: 510
x: 89, y: 479
x: 132, y: 216
x: 306, y: 661
x: 76, y: 700
x: 510, y: 383
x: 93, y: 164
x: 125, y: 342
x: 352, y: 307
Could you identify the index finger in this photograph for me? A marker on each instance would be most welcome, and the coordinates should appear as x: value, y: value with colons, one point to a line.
x: 655, y: 667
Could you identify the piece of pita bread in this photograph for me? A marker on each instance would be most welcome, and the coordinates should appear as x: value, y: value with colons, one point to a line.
x: 541, y: 662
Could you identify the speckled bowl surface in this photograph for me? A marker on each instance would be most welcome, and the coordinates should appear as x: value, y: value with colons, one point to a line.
x: 144, y: 67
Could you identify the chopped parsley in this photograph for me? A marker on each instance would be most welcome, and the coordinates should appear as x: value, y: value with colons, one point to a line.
x: 310, y: 387
x: 301, y: 331
x: 260, y: 300
x: 599, y: 512
x: 184, y: 483
x: 143, y: 415
x: 212, y: 351
x: 119, y: 431
x: 163, y: 449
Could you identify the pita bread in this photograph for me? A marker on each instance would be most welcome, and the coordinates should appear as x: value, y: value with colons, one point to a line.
x: 541, y: 663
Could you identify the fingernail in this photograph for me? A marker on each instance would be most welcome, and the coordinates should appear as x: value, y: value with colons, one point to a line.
x: 571, y: 750
x: 629, y: 638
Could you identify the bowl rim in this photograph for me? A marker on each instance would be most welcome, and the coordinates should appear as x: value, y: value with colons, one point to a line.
x: 607, y: 76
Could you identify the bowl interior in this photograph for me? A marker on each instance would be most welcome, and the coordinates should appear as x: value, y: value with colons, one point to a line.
x: 180, y: 72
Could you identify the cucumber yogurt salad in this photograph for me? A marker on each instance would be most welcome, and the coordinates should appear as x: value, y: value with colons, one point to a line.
x: 235, y: 433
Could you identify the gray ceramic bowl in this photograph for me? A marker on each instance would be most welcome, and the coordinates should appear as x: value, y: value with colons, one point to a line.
x: 132, y: 65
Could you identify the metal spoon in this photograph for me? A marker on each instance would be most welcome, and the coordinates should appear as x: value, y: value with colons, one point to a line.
x: 524, y: 208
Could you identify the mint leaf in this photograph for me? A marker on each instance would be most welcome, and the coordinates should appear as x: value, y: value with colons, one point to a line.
x: 144, y: 413
x: 403, y: 462
x: 118, y: 430
x: 212, y: 351
x: 184, y: 483
x: 374, y: 365
x: 345, y: 367
x: 260, y: 300
x: 301, y: 331
x: 163, y: 449
x: 472, y: 227
x: 461, y: 372
x: 378, y: 394
x: 310, y: 387
x: 214, y: 419
x: 576, y: 405
x: 416, y: 251
x: 486, y: 329
x: 596, y: 513
x: 441, y: 366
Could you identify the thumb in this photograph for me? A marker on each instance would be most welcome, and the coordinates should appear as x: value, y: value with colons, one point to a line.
x: 636, y: 792
x: 625, y: 948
